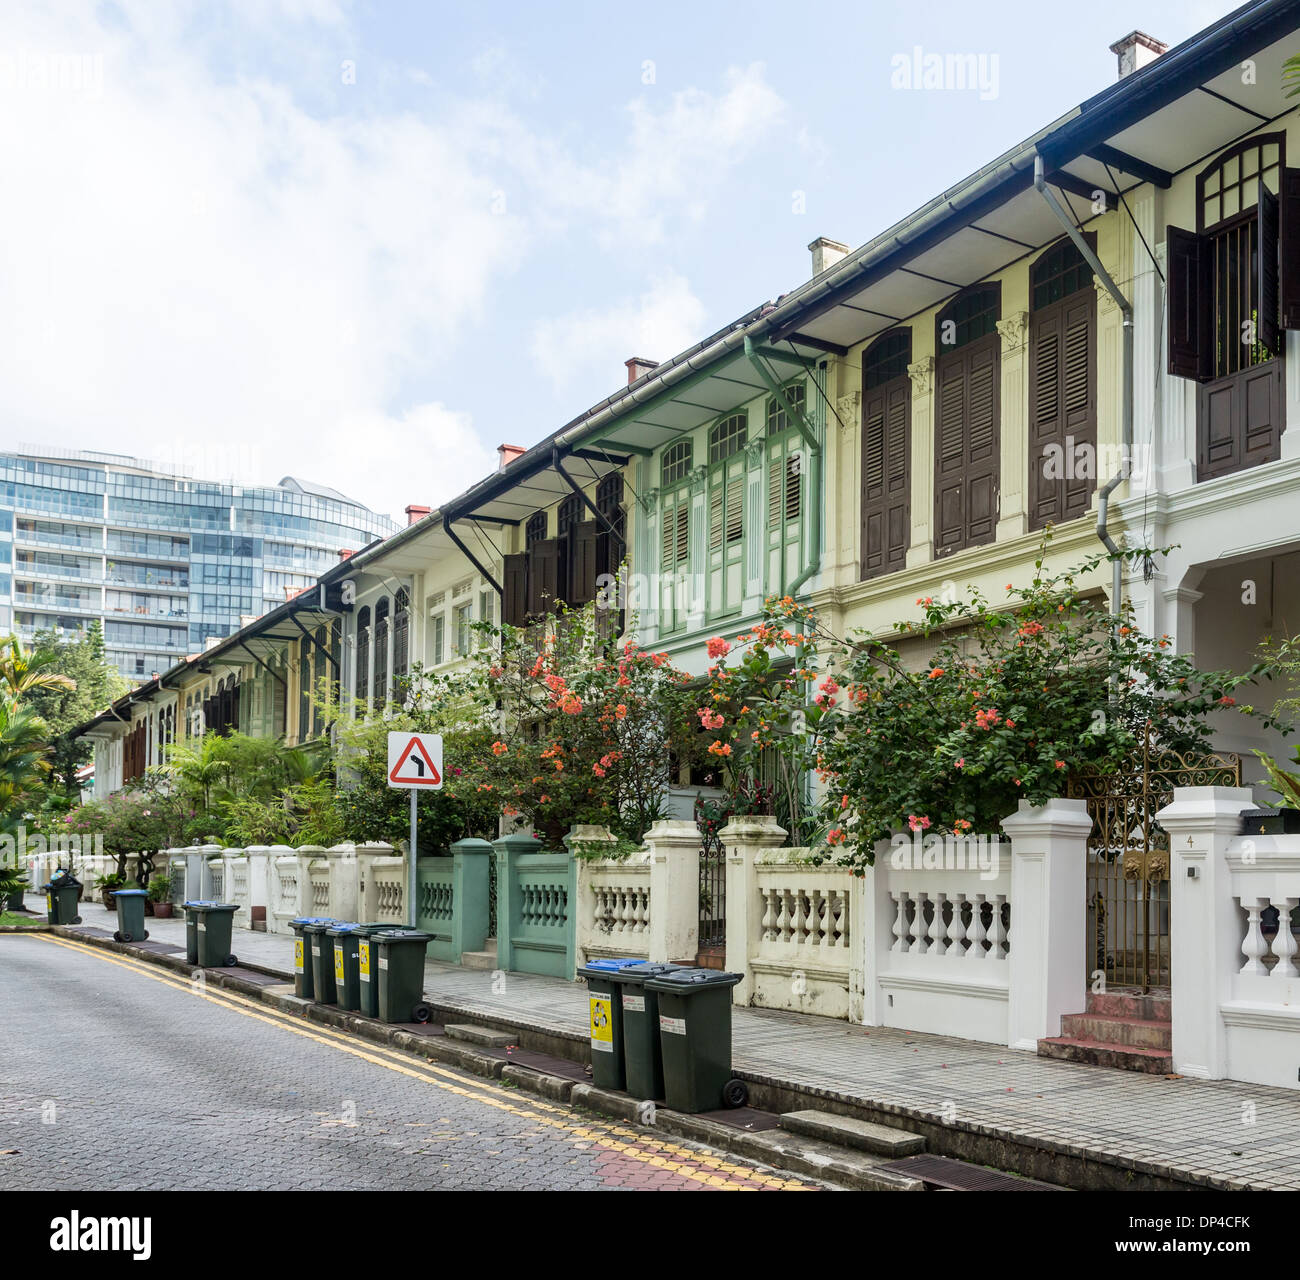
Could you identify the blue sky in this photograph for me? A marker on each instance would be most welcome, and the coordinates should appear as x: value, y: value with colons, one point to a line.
x: 368, y: 243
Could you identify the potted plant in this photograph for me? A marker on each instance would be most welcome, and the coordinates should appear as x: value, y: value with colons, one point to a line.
x: 160, y: 888
x: 1283, y: 819
x: 107, y: 885
x: 12, y: 884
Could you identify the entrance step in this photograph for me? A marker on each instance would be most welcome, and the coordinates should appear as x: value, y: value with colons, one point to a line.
x: 861, y: 1135
x: 485, y: 959
x: 711, y: 958
x: 1128, y: 1029
x: 479, y: 1035
x: 1156, y: 1062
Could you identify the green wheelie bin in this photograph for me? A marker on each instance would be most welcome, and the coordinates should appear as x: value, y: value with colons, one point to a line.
x: 347, y: 983
x: 215, y: 922
x: 130, y: 915
x: 321, y: 959
x: 695, y: 1037
x: 368, y: 967
x: 605, y: 1019
x: 192, y: 909
x: 401, y: 974
x: 61, y: 898
x: 303, y: 986
x: 643, y: 1060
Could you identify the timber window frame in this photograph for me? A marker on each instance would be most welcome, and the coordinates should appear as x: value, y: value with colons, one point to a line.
x: 1233, y: 287
x: 362, y: 680
x: 886, y: 432
x: 726, y: 480
x: 967, y: 420
x: 786, y: 466
x: 674, y: 535
x: 1062, y: 384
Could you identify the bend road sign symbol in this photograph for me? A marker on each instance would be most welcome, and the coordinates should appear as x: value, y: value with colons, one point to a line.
x: 415, y: 760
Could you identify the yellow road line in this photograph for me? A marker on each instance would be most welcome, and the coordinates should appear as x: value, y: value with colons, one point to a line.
x: 443, y: 1079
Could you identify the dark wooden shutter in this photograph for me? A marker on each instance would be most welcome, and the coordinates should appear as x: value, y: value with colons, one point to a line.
x: 1266, y: 329
x: 967, y: 463
x: 582, y: 563
x: 1190, y: 345
x: 544, y: 584
x: 886, y: 446
x: 514, y: 593
x: 1062, y: 408
x: 1289, y: 250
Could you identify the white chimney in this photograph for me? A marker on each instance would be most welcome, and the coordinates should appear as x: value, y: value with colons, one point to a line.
x: 1135, y: 50
x: 826, y: 253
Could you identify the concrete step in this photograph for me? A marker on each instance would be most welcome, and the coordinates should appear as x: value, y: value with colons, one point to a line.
x: 1154, y: 1006
x: 860, y: 1135
x: 485, y: 959
x: 484, y: 1036
x: 1129, y: 1033
x: 1156, y: 1062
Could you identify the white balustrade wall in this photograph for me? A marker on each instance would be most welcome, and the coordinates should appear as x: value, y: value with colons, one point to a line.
x: 613, y: 917
x: 382, y: 887
x: 1235, y: 933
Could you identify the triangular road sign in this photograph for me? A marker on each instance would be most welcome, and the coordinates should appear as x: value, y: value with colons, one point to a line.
x: 415, y: 765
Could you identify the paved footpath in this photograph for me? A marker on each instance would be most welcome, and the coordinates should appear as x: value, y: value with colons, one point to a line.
x: 1217, y: 1132
x: 118, y: 1075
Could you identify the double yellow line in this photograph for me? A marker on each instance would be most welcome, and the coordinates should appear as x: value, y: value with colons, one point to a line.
x: 609, y: 1135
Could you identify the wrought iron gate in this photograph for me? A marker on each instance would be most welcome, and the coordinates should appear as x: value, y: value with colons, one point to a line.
x: 1127, y: 928
x: 713, y: 885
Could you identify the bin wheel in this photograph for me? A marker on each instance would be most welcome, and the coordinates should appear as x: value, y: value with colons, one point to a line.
x: 231, y: 961
x: 76, y: 919
x: 735, y: 1093
x: 421, y: 1013
x: 144, y: 937
x: 117, y: 936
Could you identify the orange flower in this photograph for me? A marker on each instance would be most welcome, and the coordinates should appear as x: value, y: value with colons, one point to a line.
x: 499, y: 748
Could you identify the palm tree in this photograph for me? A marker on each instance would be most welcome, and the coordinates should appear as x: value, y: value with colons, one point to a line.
x: 22, y: 671
x: 22, y: 759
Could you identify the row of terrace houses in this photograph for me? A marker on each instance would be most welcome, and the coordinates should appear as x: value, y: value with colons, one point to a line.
x: 1098, y: 330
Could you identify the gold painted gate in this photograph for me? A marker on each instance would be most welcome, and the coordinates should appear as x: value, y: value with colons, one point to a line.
x: 1127, y: 926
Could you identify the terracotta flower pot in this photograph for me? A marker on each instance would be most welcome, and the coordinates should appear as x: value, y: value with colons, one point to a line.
x: 162, y: 910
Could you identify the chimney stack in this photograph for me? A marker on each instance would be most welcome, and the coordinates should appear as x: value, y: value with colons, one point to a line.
x: 345, y: 553
x: 415, y: 513
x: 638, y: 367
x: 1135, y: 50
x: 507, y: 453
x: 826, y: 253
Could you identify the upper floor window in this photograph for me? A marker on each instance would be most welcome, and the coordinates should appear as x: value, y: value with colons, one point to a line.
x: 535, y: 529
x: 885, y: 523
x: 887, y: 358
x: 676, y: 464
x: 568, y: 514
x: 1229, y: 298
x: 363, y: 654
x: 382, y: 609
x: 796, y: 395
x: 728, y: 436
x: 1061, y: 271
x: 967, y: 318
x: 401, y: 640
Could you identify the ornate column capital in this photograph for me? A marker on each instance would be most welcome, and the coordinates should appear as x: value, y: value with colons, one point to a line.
x: 922, y: 374
x: 1014, y: 331
x: 1105, y: 303
x: 698, y: 479
x: 847, y: 409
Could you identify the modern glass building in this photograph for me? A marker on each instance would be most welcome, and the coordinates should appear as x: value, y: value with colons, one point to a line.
x: 164, y: 561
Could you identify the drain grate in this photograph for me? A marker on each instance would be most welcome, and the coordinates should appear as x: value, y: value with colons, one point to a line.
x: 957, y: 1175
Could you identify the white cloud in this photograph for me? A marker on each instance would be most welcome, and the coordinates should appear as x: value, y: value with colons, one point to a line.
x: 661, y: 322
x: 196, y: 263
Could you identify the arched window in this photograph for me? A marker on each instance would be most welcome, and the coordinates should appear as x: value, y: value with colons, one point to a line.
x: 317, y: 721
x: 363, y: 654
x: 885, y: 524
x: 676, y: 463
x: 401, y: 642
x: 728, y: 436
x: 1062, y: 385
x: 966, y: 420
x: 381, y: 652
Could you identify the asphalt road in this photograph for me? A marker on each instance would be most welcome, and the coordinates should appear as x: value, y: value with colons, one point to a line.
x: 117, y: 1075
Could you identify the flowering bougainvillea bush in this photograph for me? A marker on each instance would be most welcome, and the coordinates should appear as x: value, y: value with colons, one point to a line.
x: 1010, y: 700
x: 573, y: 728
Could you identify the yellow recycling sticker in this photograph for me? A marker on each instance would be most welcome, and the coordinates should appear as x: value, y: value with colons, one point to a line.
x: 297, y: 955
x: 363, y: 951
x: 338, y: 963
x: 602, y: 1023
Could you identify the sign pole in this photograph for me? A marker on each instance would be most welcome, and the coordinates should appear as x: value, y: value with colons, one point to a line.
x: 410, y: 870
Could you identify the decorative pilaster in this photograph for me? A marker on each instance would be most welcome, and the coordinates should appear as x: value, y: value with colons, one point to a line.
x: 1014, y: 426
x: 921, y: 546
x: 674, y: 889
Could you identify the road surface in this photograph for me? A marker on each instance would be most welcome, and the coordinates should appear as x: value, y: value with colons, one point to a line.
x: 118, y: 1075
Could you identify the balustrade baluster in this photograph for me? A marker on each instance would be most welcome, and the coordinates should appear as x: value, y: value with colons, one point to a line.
x: 957, y: 927
x: 938, y: 930
x: 1254, y: 947
x: 920, y: 934
x: 997, y: 934
x: 769, y: 917
x: 975, y: 933
x: 1284, y: 945
x: 900, y: 922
